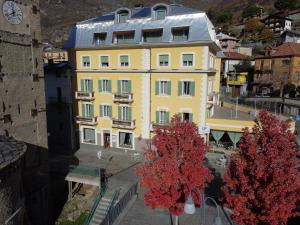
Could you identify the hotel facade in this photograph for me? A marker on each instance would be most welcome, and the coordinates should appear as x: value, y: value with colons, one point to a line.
x: 136, y: 68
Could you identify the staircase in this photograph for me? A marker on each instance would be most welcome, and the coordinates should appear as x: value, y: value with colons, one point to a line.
x: 105, y: 204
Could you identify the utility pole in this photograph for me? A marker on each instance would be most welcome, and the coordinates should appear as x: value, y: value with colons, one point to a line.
x: 236, y: 107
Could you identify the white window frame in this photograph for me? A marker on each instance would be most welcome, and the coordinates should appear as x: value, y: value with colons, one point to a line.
x: 100, y: 63
x: 86, y: 103
x: 105, y: 115
x: 104, y: 87
x: 124, y: 113
x: 84, y: 83
x: 124, y: 80
x: 82, y: 135
x: 187, y: 53
x: 160, y: 87
x: 182, y: 88
x: 169, y: 59
x: 211, y: 61
x: 81, y: 61
x: 118, y: 139
x: 162, y: 114
x: 119, y: 61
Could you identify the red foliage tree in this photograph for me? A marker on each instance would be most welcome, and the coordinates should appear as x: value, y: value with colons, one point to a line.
x: 262, y: 182
x: 174, y: 166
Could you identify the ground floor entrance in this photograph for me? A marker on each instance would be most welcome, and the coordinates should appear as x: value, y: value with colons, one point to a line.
x: 106, y: 140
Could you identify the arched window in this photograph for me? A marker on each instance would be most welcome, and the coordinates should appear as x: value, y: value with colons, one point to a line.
x: 122, y: 16
x: 160, y: 12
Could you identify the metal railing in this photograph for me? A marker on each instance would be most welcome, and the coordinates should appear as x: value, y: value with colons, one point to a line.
x: 126, y: 124
x: 123, y: 97
x: 86, y: 120
x: 84, y: 95
x: 117, y: 209
x: 155, y: 125
x: 94, y: 207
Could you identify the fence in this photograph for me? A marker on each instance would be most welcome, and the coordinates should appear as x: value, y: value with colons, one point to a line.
x: 117, y: 209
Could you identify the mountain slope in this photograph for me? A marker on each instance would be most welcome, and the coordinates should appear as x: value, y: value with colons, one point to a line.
x: 57, y: 16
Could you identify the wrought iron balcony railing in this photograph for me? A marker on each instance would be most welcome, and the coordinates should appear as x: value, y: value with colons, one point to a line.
x: 123, y: 124
x: 84, y: 95
x: 85, y: 120
x: 123, y: 97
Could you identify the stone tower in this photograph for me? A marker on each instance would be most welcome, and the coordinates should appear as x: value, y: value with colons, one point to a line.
x: 22, y: 98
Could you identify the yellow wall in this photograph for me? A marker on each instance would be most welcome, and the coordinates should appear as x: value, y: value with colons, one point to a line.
x: 174, y: 103
x: 217, y: 78
x: 135, y: 56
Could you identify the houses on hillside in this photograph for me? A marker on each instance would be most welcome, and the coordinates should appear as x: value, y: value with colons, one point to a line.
x: 278, y: 67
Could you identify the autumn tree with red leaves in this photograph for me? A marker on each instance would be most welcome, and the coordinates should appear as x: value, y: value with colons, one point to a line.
x: 262, y: 182
x: 174, y: 166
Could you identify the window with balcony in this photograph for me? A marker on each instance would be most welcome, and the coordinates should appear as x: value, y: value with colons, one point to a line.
x: 124, y: 86
x: 186, y: 88
x: 163, y: 87
x: 162, y: 117
x: 180, y: 33
x: 104, y: 85
x: 187, y: 60
x: 89, y: 135
x: 86, y: 61
x: 87, y: 110
x: 124, y: 113
x: 163, y: 60
x: 125, y: 140
x: 152, y: 36
x: 86, y: 85
x: 104, y: 61
x: 124, y: 37
x: 99, y: 38
x: 105, y: 111
x: 124, y: 61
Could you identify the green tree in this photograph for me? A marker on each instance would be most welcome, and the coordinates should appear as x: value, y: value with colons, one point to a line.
x: 251, y: 10
x: 224, y: 17
x: 285, y: 4
x: 266, y: 34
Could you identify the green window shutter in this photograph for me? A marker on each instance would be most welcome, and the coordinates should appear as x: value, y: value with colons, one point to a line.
x: 191, y: 117
x: 169, y: 87
x: 129, y: 114
x: 91, y: 87
x: 109, y: 85
x: 119, y: 112
x: 101, y: 111
x: 156, y: 87
x: 92, y: 110
x: 119, y: 86
x: 83, y: 109
x: 157, y: 116
x: 81, y: 84
x: 179, y: 88
x: 129, y: 86
x: 180, y: 115
x: 168, y: 117
x: 104, y: 59
x: 110, y: 111
x: 187, y: 57
x: 193, y: 88
x: 100, y: 85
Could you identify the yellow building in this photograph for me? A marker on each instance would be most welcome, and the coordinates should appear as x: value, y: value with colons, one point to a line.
x: 136, y: 68
x: 237, y: 83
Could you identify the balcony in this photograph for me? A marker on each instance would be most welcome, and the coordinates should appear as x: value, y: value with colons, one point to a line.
x: 155, y: 125
x: 123, y: 97
x: 84, y: 120
x: 83, y: 95
x: 123, y: 124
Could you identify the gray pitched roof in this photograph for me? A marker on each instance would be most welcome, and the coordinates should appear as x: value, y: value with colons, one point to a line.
x: 10, y: 151
x: 200, y: 27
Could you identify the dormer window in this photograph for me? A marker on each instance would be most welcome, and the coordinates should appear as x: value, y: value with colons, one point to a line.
x: 99, y: 38
x: 160, y: 12
x: 152, y: 36
x: 124, y: 37
x: 180, y: 33
x: 122, y: 16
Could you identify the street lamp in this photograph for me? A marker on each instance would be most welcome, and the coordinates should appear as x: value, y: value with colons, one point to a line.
x: 189, y: 208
